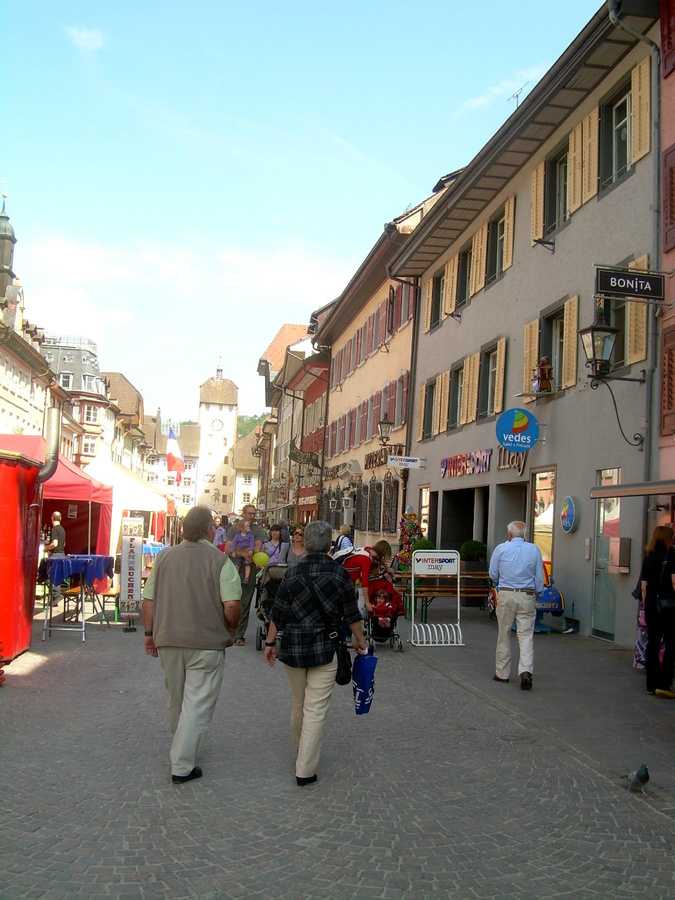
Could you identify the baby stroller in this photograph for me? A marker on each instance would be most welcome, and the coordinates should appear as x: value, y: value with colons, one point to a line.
x: 380, y: 626
x: 267, y: 587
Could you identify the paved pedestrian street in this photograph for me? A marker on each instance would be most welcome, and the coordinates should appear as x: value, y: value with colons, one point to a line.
x: 453, y: 787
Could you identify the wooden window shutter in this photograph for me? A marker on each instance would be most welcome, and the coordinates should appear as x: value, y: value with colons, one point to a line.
x: 420, y: 413
x: 669, y: 198
x: 589, y: 156
x: 472, y: 392
x: 445, y: 397
x: 478, y: 260
x: 500, y: 376
x: 382, y: 333
x: 668, y: 381
x: 370, y: 329
x: 668, y: 36
x: 377, y: 412
x: 428, y: 293
x: 640, y: 138
x: 437, y: 406
x: 509, y: 221
x: 537, y: 203
x: 352, y: 427
x: 530, y: 357
x: 574, y: 169
x: 465, y: 392
x: 391, y: 401
x: 404, y: 399
x: 334, y: 429
x: 570, y: 342
x: 357, y: 355
x: 397, y: 308
x: 364, y: 421
x: 450, y: 286
x: 636, y: 322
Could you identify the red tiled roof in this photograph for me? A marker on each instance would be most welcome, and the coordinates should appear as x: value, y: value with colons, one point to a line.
x: 288, y: 334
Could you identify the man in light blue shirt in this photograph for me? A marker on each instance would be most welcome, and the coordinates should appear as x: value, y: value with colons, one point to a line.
x: 517, y: 569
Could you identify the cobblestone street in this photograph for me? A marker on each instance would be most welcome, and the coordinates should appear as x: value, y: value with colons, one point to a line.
x: 453, y: 787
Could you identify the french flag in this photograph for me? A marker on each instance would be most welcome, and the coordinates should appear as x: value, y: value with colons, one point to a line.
x: 174, y: 458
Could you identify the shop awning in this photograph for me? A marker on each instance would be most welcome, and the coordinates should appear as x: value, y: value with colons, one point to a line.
x: 641, y: 489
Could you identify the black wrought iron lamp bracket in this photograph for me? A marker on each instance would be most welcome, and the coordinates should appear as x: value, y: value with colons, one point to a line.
x: 596, y: 380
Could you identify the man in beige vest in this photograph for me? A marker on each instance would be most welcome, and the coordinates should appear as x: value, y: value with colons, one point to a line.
x: 191, y: 609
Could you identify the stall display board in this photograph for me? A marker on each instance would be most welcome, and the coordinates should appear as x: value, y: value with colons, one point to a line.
x: 132, y: 567
x: 435, y: 575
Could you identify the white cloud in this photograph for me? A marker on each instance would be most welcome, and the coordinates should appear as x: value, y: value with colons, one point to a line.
x: 165, y: 315
x: 86, y: 38
x: 524, y: 79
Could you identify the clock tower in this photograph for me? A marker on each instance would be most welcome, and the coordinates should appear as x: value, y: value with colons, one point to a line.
x: 218, y: 399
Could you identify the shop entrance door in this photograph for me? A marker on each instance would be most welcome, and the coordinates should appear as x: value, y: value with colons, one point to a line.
x: 604, y: 582
x: 543, y: 495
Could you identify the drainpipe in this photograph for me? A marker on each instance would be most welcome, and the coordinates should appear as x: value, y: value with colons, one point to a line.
x: 653, y: 360
x: 53, y: 439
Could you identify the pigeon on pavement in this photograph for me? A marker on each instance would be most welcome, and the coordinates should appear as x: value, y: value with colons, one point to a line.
x: 637, y: 779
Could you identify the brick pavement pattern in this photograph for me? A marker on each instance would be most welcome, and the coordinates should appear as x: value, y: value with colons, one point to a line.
x: 453, y: 787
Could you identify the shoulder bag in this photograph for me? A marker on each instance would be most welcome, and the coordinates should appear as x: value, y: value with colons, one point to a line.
x: 667, y: 602
x: 343, y: 674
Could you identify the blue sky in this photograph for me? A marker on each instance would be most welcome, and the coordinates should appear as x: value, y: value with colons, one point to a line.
x: 185, y: 178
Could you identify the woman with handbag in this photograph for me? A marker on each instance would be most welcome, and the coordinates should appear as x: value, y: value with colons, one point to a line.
x: 658, y: 599
x: 274, y: 547
x: 313, y: 598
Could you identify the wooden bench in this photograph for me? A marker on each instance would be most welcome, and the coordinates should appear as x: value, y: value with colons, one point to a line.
x: 113, y: 593
x: 474, y: 588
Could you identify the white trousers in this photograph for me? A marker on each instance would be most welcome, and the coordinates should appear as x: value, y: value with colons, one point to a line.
x: 521, y: 607
x: 193, y: 679
x: 312, y: 690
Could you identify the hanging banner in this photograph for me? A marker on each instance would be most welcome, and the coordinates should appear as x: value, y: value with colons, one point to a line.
x: 303, y: 457
x: 131, y: 567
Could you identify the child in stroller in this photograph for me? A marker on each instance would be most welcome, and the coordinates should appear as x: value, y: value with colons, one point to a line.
x: 267, y: 587
x: 380, y: 626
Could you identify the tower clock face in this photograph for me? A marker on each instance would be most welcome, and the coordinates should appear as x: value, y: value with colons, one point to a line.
x: 217, y: 424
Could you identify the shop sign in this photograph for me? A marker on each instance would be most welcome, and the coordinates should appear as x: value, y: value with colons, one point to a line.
x: 312, y: 500
x: 627, y: 283
x: 406, y: 462
x: 466, y: 464
x: 131, y: 567
x: 380, y: 457
x: 511, y: 460
x: 517, y: 429
x: 568, y: 515
x: 303, y: 457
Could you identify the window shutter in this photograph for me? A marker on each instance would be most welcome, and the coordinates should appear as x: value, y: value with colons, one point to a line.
x: 370, y: 328
x: 669, y: 198
x: 574, y: 170
x: 537, y: 203
x: 465, y: 392
x: 589, y: 156
x: 530, y: 355
x: 444, y: 399
x: 397, y: 308
x: 352, y: 427
x: 404, y: 399
x: 478, y: 260
x: 420, y: 413
x: 341, y: 434
x: 364, y: 421
x: 668, y: 382
x: 668, y: 36
x: 357, y: 354
x: 570, y: 342
x: 472, y: 392
x: 427, y: 304
x: 348, y: 357
x: 382, y: 331
x: 636, y: 322
x: 509, y: 219
x: 500, y: 375
x: 391, y: 401
x: 334, y: 429
x: 450, y: 286
x: 640, y: 110
x: 377, y: 412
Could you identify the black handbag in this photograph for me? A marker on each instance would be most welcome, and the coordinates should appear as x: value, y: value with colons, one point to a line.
x: 667, y: 602
x: 343, y: 674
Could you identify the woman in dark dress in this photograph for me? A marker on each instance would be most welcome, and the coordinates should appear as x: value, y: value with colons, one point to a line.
x: 658, y: 599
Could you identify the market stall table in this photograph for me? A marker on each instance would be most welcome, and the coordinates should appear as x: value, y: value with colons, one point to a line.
x: 90, y: 568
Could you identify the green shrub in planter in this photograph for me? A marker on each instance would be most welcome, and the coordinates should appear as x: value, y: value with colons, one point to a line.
x: 423, y: 544
x: 472, y: 551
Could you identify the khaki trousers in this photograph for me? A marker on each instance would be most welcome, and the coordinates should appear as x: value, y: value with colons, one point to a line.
x: 521, y: 607
x: 193, y: 679
x: 312, y: 690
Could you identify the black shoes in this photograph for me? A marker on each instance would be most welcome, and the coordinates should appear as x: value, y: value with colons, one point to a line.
x: 503, y: 680
x: 526, y: 681
x: 181, y: 779
x: 303, y: 781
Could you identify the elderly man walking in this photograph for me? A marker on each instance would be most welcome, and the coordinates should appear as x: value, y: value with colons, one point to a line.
x: 517, y: 569
x: 191, y: 611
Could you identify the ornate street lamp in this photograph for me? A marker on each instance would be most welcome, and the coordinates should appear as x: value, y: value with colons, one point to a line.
x: 384, y: 428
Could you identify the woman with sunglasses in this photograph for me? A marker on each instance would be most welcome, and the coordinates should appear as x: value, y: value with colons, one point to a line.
x: 297, y: 551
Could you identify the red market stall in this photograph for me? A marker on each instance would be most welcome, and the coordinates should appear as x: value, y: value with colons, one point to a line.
x: 86, y: 507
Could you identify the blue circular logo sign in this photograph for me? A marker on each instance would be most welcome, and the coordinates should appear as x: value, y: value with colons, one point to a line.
x: 568, y: 515
x: 517, y: 430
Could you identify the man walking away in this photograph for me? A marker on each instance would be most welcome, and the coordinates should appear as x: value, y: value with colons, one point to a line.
x: 191, y: 610
x: 517, y: 569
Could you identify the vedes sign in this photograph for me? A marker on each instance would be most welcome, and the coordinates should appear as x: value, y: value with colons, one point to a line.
x: 517, y: 429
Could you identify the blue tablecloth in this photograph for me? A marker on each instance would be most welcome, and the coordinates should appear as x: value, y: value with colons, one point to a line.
x: 57, y: 568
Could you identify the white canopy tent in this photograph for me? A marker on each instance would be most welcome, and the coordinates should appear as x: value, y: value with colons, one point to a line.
x: 129, y: 493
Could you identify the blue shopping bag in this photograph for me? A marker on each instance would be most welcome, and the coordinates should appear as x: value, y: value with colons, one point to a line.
x: 363, y: 681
